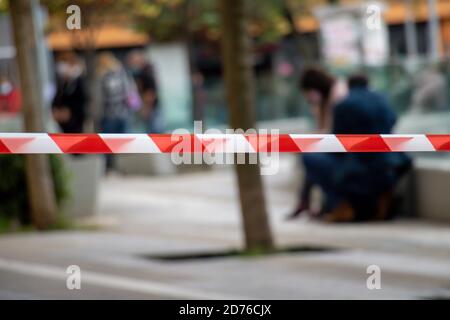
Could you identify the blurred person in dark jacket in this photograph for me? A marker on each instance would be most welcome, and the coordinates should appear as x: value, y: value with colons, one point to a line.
x: 143, y: 74
x: 69, y: 103
x: 358, y: 186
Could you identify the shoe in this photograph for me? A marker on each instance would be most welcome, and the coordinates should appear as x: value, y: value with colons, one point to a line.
x: 384, y: 205
x: 342, y: 213
x: 298, y: 212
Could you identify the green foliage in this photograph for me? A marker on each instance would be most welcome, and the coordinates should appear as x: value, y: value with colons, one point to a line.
x: 99, y: 7
x: 3, y: 6
x: 167, y: 20
x: 61, y: 177
x: 256, y: 252
x: 14, y: 204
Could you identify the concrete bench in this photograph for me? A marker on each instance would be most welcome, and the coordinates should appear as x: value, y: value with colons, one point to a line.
x: 85, y: 173
x: 436, y: 122
x: 432, y: 188
x: 145, y: 164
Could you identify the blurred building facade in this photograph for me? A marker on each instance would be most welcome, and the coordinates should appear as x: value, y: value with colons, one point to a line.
x: 277, y: 64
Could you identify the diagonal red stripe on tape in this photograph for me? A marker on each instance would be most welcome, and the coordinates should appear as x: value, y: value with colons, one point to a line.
x: 16, y: 143
x: 196, y: 144
x: 440, y: 142
x: 165, y: 142
x: 116, y: 143
x: 306, y: 144
x: 253, y: 140
x: 80, y: 143
x: 3, y: 148
x: 185, y: 142
x: 214, y: 144
x: 363, y: 143
x: 287, y: 144
x: 264, y: 142
x: 396, y: 143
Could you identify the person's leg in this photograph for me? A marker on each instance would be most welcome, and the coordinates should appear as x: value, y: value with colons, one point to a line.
x: 122, y: 125
x: 150, y: 123
x: 154, y: 122
x: 108, y: 126
x: 119, y: 125
x: 320, y: 170
x: 304, y: 199
x: 305, y: 194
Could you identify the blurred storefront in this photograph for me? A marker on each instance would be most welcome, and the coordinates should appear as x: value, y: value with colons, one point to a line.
x: 406, y: 50
x: 396, y: 56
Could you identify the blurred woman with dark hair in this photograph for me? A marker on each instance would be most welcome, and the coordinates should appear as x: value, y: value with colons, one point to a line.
x: 322, y: 92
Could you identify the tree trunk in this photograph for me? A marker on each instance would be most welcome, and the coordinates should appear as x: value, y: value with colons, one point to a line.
x: 91, y: 122
x: 39, y: 181
x: 88, y: 44
x: 186, y: 36
x: 239, y: 80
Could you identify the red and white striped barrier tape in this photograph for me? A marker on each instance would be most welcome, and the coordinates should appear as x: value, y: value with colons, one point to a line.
x: 27, y: 143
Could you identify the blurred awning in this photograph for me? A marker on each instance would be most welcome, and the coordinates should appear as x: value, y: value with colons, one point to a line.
x: 122, y: 35
x: 108, y: 36
x: 396, y: 12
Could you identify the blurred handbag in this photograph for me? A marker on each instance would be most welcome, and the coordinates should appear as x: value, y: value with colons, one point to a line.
x: 134, y: 101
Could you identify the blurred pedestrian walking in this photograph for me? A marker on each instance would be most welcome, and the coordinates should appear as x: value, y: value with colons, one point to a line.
x: 114, y: 97
x: 69, y: 103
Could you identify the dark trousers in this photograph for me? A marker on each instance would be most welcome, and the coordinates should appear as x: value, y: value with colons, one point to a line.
x: 320, y: 170
x: 113, y: 125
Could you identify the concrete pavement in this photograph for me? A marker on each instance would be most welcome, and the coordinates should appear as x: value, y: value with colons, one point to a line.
x: 145, y: 217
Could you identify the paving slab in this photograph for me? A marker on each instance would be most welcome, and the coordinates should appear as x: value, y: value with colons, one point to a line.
x: 141, y: 218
